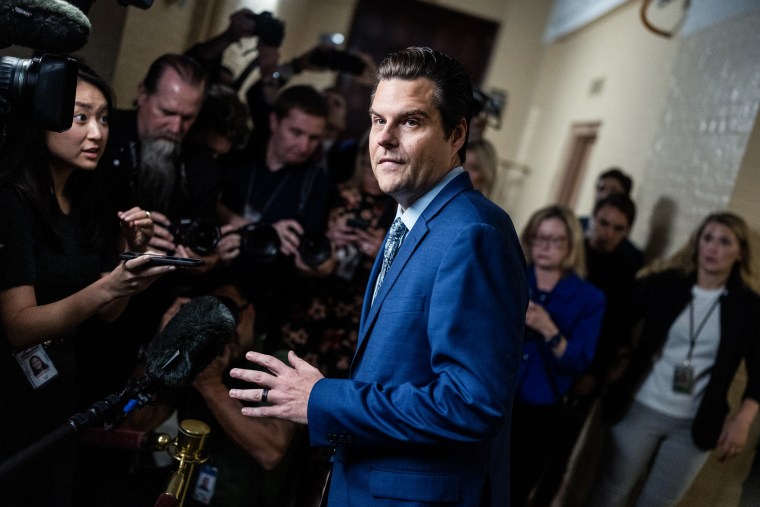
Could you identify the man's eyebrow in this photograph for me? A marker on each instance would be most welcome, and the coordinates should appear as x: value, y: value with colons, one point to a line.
x: 406, y: 114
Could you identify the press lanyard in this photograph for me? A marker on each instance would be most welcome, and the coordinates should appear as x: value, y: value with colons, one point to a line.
x: 692, y: 335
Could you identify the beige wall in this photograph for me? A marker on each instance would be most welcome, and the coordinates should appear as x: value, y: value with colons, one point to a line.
x: 617, y: 50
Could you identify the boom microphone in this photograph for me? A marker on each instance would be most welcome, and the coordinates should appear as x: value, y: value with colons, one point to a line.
x: 47, y: 25
x: 189, y: 342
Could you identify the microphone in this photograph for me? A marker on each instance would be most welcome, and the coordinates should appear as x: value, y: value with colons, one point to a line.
x: 185, y: 347
x: 190, y: 341
x: 47, y: 25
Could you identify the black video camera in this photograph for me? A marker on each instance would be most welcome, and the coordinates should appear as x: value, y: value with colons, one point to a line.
x: 44, y: 87
x: 269, y: 29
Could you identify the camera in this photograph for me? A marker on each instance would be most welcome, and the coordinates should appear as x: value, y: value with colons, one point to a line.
x: 269, y: 29
x: 314, y: 249
x: 335, y: 59
x: 44, y: 87
x: 259, y: 241
x: 357, y: 223
x: 201, y: 235
x: 491, y: 105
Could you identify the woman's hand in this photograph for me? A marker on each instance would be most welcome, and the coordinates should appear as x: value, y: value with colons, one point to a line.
x: 538, y: 319
x: 137, y: 228
x: 134, y: 276
x: 162, y: 238
x: 736, y: 431
x: 369, y: 241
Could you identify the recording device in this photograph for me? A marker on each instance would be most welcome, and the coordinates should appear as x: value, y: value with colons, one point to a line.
x: 45, y: 86
x: 314, y: 249
x: 259, y: 241
x: 200, y: 234
x: 46, y: 25
x: 491, y: 105
x: 187, y: 345
x: 269, y: 29
x: 164, y: 260
x: 336, y: 59
x: 189, y: 342
x: 357, y: 223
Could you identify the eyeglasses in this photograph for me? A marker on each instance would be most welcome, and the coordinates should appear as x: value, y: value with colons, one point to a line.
x: 553, y: 241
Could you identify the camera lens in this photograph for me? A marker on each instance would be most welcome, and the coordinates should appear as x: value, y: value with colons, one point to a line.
x: 314, y: 249
x: 200, y: 235
x: 44, y: 86
x: 259, y: 241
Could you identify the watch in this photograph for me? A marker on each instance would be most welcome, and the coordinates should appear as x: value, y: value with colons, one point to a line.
x: 555, y: 340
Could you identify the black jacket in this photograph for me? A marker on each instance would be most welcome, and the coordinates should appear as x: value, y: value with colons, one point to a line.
x: 658, y: 300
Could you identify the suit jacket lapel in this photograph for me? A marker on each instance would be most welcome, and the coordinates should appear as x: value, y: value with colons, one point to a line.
x: 408, y: 247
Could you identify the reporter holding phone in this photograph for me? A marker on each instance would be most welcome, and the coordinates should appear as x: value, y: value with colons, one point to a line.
x: 56, y: 240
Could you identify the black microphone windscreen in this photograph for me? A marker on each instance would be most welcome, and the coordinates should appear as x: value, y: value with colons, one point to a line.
x: 190, y: 341
x: 46, y: 25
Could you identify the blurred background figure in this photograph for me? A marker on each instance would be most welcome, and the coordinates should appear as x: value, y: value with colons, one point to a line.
x: 699, y: 318
x: 562, y: 326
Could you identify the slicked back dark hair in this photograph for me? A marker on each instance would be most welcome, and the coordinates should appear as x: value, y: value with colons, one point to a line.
x: 453, y: 88
x: 190, y: 71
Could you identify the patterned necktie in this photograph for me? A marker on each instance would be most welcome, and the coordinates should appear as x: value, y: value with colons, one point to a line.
x: 395, y: 236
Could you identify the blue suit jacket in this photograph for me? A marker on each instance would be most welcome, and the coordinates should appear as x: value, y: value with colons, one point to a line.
x: 424, y: 418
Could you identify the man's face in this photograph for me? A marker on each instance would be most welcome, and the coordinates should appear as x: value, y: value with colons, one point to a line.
x: 608, y: 186
x: 609, y: 229
x: 409, y: 151
x: 294, y: 137
x: 170, y: 111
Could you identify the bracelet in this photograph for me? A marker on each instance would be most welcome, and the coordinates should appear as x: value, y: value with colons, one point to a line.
x: 555, y: 340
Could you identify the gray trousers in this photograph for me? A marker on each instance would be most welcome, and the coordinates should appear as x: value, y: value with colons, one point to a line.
x: 643, y: 436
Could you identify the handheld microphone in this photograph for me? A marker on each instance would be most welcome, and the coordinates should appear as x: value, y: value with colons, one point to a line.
x: 47, y: 25
x: 190, y: 341
x: 186, y: 346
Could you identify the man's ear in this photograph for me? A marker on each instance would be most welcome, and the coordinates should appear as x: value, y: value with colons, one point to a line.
x: 142, y: 95
x: 458, y: 135
x: 273, y: 121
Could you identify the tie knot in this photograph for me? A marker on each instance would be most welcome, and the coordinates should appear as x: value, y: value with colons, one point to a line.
x: 398, y: 229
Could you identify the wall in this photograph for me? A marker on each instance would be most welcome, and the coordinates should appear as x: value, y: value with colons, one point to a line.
x: 616, y: 51
x: 705, y: 128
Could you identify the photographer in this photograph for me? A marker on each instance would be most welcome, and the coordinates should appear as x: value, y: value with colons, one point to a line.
x: 276, y: 182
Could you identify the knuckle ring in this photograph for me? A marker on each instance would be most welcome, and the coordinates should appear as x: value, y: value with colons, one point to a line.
x: 147, y: 213
x: 264, y: 395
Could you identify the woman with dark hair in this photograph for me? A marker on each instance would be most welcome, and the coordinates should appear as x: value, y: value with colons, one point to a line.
x: 700, y: 319
x: 57, y: 244
x: 561, y: 329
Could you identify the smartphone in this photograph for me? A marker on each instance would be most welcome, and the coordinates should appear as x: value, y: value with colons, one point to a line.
x: 164, y: 260
x: 357, y: 223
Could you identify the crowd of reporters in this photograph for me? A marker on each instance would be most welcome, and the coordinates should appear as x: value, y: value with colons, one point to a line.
x: 288, y: 219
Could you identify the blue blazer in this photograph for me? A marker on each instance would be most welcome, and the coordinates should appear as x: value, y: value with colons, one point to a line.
x: 577, y: 308
x: 424, y: 418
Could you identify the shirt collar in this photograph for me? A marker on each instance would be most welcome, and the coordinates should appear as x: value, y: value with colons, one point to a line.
x: 414, y: 212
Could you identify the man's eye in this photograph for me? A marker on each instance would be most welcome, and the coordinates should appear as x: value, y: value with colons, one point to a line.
x: 411, y: 122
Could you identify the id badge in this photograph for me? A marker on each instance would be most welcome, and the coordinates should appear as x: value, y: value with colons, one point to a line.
x: 37, y: 366
x: 205, y: 484
x: 683, y: 379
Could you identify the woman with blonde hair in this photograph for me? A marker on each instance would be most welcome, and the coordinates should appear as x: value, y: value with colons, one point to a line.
x: 700, y: 319
x: 562, y: 326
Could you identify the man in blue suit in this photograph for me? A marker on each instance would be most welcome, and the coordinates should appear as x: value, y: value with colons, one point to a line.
x: 424, y: 418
